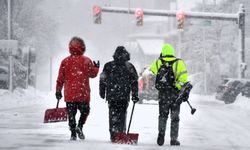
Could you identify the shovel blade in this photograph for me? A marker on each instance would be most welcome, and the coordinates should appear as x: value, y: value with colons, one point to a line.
x: 123, y: 138
x: 56, y: 115
x: 193, y: 111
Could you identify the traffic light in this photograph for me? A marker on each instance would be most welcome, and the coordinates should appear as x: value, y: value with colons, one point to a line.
x: 139, y: 16
x: 180, y: 16
x: 97, y: 14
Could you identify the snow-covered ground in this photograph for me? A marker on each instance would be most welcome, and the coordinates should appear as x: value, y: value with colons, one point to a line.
x: 215, y: 126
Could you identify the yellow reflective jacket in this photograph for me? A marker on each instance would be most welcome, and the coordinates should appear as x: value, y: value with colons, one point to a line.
x: 179, y: 68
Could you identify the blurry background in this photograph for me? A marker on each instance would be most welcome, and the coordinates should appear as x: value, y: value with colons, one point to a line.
x: 43, y: 29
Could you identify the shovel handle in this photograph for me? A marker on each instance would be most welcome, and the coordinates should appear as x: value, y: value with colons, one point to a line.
x: 57, y: 103
x: 189, y: 105
x: 132, y: 112
x: 193, y: 110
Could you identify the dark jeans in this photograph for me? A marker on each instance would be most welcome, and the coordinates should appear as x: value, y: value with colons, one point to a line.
x: 117, y: 118
x: 166, y: 105
x: 72, y: 110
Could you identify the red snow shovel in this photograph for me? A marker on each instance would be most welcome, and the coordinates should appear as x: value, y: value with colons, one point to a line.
x: 127, y: 138
x: 56, y: 114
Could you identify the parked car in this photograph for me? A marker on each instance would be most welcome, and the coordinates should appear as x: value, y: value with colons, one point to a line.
x: 4, y: 77
x: 246, y: 89
x: 147, y: 90
x: 231, y: 88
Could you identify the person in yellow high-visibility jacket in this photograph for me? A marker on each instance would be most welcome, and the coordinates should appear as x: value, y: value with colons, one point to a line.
x: 168, y: 96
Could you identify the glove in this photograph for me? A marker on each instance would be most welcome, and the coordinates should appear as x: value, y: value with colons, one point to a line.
x: 102, y: 95
x: 135, y: 99
x: 178, y: 102
x: 102, y: 90
x: 96, y: 64
x: 185, y: 97
x: 58, y: 95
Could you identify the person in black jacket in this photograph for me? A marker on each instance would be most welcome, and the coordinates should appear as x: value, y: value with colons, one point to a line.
x: 117, y: 80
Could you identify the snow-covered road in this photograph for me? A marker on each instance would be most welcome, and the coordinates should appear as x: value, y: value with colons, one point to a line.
x: 215, y: 126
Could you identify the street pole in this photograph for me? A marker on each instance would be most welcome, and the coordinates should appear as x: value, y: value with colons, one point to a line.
x: 50, y: 87
x: 204, y: 52
x: 28, y: 69
x: 242, y: 41
x: 180, y: 35
x: 10, y: 54
x: 205, y: 60
x: 9, y: 19
x: 129, y: 5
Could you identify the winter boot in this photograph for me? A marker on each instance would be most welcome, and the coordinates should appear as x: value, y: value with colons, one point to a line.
x: 80, y: 133
x: 112, y: 137
x: 73, y: 134
x: 160, y: 139
x: 175, y: 142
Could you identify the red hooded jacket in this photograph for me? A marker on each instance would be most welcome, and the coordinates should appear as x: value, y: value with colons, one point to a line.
x: 74, y: 74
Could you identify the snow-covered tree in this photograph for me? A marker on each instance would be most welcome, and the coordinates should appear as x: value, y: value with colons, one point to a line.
x: 30, y: 25
x: 219, y: 39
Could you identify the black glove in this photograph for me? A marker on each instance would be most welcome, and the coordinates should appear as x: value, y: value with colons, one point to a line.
x: 135, y: 99
x: 96, y: 64
x: 58, y: 95
x: 184, y: 97
x: 102, y: 95
x: 178, y: 102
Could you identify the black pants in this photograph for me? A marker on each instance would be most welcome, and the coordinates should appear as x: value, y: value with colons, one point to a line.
x: 117, y: 118
x: 166, y: 105
x: 72, y: 110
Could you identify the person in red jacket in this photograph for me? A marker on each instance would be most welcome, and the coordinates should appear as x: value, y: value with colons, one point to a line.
x: 74, y: 74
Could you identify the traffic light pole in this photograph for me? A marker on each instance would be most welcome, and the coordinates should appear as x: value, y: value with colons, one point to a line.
x: 241, y: 22
x: 237, y: 18
x: 172, y: 13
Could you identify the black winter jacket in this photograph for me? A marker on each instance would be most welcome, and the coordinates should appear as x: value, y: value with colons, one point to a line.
x: 118, y: 79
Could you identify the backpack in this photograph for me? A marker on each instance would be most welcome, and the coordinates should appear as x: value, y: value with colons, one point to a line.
x: 165, y: 78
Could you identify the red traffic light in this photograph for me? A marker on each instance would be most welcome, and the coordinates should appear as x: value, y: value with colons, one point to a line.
x: 97, y: 10
x: 138, y: 12
x: 180, y: 15
x: 139, y: 16
x: 97, y: 14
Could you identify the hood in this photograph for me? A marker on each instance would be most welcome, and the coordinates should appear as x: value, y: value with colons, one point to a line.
x: 167, y: 50
x: 76, y: 48
x: 121, y: 54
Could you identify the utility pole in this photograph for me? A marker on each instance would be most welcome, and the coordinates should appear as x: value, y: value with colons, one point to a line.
x: 129, y: 5
x: 10, y: 53
x: 241, y: 22
x: 9, y: 19
x: 50, y: 76
x: 180, y: 35
x: 204, y: 53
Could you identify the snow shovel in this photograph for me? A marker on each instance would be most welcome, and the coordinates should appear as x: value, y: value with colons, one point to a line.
x: 56, y: 114
x: 127, y: 138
